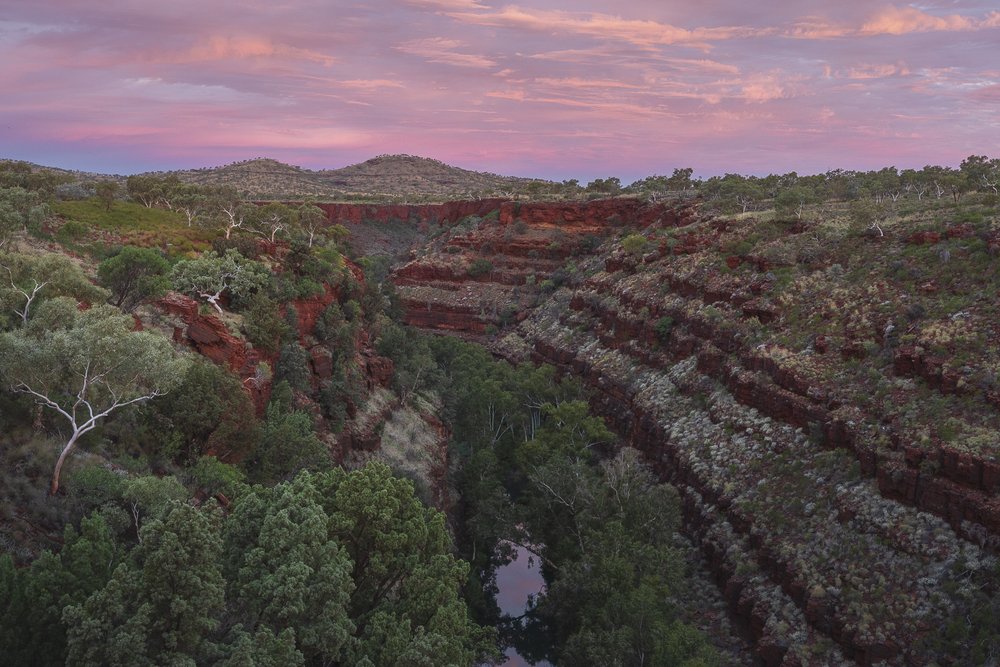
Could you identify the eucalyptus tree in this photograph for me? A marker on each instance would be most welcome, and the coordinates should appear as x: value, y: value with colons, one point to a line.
x: 26, y: 280
x: 210, y: 276
x: 84, y: 366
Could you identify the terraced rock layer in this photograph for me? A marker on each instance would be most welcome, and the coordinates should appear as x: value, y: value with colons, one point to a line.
x: 778, y: 389
x: 492, y: 269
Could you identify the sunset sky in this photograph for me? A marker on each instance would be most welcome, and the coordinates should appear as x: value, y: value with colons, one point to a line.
x: 541, y: 88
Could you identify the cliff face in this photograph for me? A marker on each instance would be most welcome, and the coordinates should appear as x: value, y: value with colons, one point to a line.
x: 207, y: 334
x: 446, y: 213
x: 807, y: 436
x: 826, y: 402
x: 491, y: 270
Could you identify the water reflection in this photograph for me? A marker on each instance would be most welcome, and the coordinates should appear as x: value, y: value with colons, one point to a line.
x: 518, y: 583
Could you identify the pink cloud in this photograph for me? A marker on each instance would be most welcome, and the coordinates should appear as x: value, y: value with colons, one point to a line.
x: 370, y: 84
x: 763, y: 88
x: 644, y: 33
x: 225, y: 47
x: 575, y: 82
x: 877, y: 71
x: 530, y: 88
x: 902, y: 20
x: 442, y: 50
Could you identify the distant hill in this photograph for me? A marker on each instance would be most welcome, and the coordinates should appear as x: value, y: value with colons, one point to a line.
x: 389, y: 174
x: 381, y: 177
x: 261, y: 177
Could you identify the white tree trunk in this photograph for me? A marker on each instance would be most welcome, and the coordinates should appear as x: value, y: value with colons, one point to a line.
x: 54, y: 486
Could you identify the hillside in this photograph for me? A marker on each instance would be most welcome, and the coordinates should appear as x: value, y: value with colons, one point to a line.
x: 817, y: 384
x: 392, y: 174
x: 382, y: 177
x: 824, y: 394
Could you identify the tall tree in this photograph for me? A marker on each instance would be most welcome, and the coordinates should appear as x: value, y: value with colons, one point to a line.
x: 285, y: 569
x: 273, y: 218
x: 88, y: 369
x: 134, y: 275
x: 26, y: 280
x: 211, y: 275
x: 106, y: 193
x: 162, y: 609
x: 312, y: 219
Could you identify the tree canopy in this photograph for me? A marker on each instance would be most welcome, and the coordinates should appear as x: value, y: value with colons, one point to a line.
x: 85, y: 365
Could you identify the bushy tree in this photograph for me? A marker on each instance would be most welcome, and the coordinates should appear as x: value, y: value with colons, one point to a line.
x: 210, y: 276
x: 26, y: 280
x: 287, y: 445
x: 791, y: 202
x: 88, y: 368
x: 208, y: 412
x: 32, y: 599
x: 134, y: 275
x: 162, y: 608
x: 106, y: 193
x: 263, y: 325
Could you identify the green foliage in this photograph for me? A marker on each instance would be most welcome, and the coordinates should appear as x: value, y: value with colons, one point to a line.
x: 137, y: 225
x: 634, y: 244
x: 160, y: 607
x: 134, y: 275
x: 211, y: 275
x: 20, y: 209
x: 663, y: 327
x: 208, y: 412
x: 263, y: 325
x: 568, y: 430
x: 525, y: 449
x: 92, y: 367
x: 247, y: 246
x: 791, y: 202
x: 335, y: 330
x: 293, y: 366
x: 32, y: 600
x: 210, y: 476
x: 609, y: 531
x: 480, y: 267
x: 351, y: 568
x: 106, y: 192
x: 27, y: 280
x: 865, y: 214
x: 413, y: 363
x: 287, y: 445
x: 71, y: 232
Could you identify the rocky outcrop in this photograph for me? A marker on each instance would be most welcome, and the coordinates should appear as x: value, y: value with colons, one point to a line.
x: 806, y: 550
x: 441, y: 214
x: 209, y: 335
x: 595, y: 215
x: 479, y: 278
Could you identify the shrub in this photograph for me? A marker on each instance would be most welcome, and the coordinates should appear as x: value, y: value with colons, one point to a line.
x: 71, y: 231
x: 480, y: 267
x: 293, y: 366
x: 244, y: 245
x: 634, y: 244
x: 663, y: 327
x: 263, y: 325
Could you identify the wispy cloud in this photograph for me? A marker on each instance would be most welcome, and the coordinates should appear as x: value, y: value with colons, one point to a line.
x: 903, y: 20
x: 529, y: 86
x: 445, y: 51
x: 876, y: 71
x: 224, y: 47
x: 644, y: 33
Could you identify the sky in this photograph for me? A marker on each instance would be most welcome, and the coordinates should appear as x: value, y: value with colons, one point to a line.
x: 539, y: 88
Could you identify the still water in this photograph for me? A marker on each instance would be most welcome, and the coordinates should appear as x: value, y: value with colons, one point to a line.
x: 518, y: 583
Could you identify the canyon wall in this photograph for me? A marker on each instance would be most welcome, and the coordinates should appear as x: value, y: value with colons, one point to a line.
x: 833, y: 529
